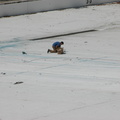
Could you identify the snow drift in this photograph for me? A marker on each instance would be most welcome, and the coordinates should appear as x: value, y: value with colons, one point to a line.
x: 26, y: 7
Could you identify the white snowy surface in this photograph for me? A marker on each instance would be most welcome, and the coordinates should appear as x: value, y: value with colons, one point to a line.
x: 83, y: 84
